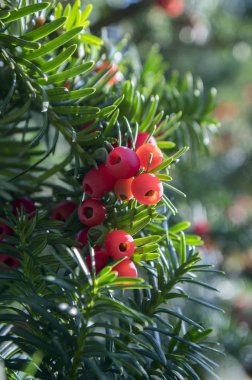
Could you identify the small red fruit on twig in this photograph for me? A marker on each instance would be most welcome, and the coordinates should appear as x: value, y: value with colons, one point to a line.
x: 100, y: 257
x: 150, y: 156
x: 112, y: 71
x: 123, y: 162
x: 4, y: 230
x: 123, y: 189
x: 82, y: 237
x: 174, y: 8
x: 119, y: 244
x: 63, y: 210
x: 24, y: 203
x: 92, y: 212
x: 147, y: 189
x: 8, y: 260
x: 98, y: 181
x: 141, y: 139
x: 126, y: 268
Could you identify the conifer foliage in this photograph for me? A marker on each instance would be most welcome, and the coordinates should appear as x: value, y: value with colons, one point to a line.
x: 95, y: 270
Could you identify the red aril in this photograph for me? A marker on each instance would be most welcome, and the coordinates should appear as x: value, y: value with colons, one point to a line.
x: 100, y: 257
x: 119, y: 244
x: 92, y: 212
x: 82, y: 237
x: 8, y: 260
x: 123, y: 189
x: 126, y: 268
x: 147, y: 189
x: 24, y: 203
x: 141, y: 139
x: 112, y: 71
x: 98, y: 181
x: 63, y: 210
x: 150, y: 156
x: 123, y: 162
x: 4, y: 230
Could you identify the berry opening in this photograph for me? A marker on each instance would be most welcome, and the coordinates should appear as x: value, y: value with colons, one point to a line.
x: 119, y: 243
x: 123, y: 247
x: 88, y: 212
x: 149, y: 193
x: 147, y: 189
x: 10, y: 262
x: 115, y: 159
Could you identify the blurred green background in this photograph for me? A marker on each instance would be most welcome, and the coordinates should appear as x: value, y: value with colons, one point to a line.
x: 211, y: 39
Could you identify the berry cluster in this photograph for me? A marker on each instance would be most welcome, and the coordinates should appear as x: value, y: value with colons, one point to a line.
x: 118, y: 244
x: 127, y: 172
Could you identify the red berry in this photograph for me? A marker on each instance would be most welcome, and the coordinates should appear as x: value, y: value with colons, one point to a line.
x: 174, y: 8
x: 141, y: 139
x: 101, y: 258
x: 202, y: 228
x: 82, y: 237
x: 67, y: 84
x: 4, y: 230
x: 9, y: 261
x: 144, y: 153
x: 126, y: 268
x: 147, y: 189
x: 123, y: 162
x: 24, y: 202
x: 63, y: 210
x: 119, y: 244
x: 123, y: 189
x: 92, y: 212
x: 98, y: 181
x: 112, y: 70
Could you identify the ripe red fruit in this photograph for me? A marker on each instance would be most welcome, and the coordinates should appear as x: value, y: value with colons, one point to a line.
x: 101, y: 258
x: 126, y: 268
x: 123, y: 189
x: 202, y: 228
x: 67, y: 84
x: 92, y: 212
x: 63, y: 210
x: 174, y: 8
x: 4, y: 230
x: 112, y: 70
x: 147, y: 189
x: 119, y: 244
x: 82, y: 237
x: 9, y: 261
x: 98, y: 181
x: 24, y: 202
x: 141, y: 139
x: 144, y: 153
x: 123, y: 162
